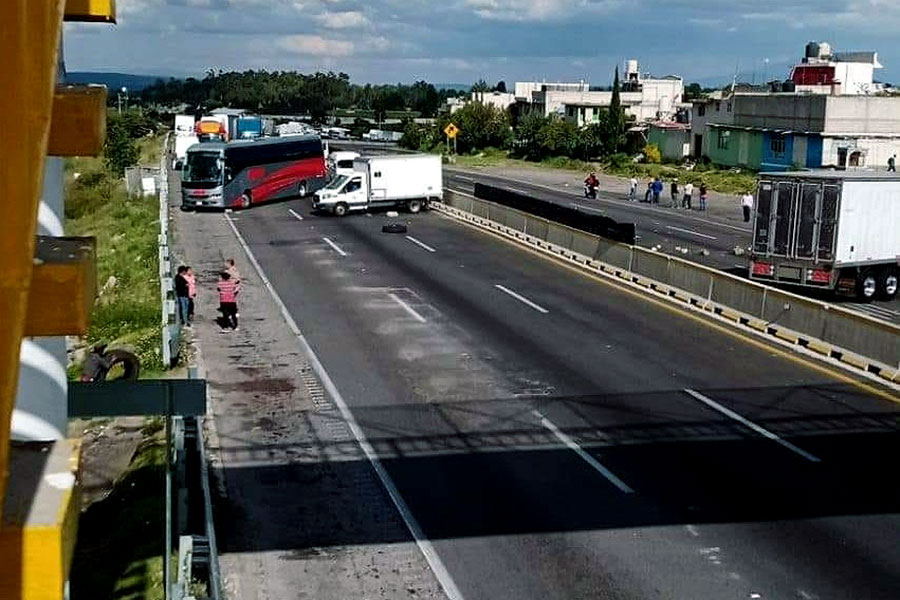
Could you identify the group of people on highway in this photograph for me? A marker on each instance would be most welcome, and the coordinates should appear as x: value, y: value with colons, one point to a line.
x: 680, y: 196
x: 228, y: 288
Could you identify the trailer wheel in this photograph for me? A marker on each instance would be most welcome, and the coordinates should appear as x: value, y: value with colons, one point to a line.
x: 340, y: 209
x: 866, y: 286
x: 414, y: 206
x: 246, y: 199
x: 887, y: 284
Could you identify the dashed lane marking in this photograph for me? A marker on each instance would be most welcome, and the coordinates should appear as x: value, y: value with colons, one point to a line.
x: 334, y: 246
x: 751, y: 425
x: 409, y: 309
x: 420, y: 243
x: 691, y: 232
x: 522, y: 299
x: 573, y: 445
x: 296, y: 215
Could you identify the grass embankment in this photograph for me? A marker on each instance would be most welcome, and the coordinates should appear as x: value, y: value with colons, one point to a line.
x: 120, y: 538
x: 127, y: 311
x: 721, y: 180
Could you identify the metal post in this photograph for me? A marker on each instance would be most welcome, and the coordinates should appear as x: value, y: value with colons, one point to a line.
x: 167, y: 571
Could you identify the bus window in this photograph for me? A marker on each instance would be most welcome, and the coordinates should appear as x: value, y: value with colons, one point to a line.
x: 203, y: 167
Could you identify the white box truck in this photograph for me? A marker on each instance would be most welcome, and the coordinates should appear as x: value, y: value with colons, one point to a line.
x: 182, y: 143
x: 835, y: 230
x: 184, y: 125
x: 408, y: 181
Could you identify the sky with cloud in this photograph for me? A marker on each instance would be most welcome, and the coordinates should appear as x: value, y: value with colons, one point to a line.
x: 460, y: 41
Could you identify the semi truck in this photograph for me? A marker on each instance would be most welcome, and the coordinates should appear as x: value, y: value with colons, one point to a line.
x: 833, y: 230
x: 408, y: 181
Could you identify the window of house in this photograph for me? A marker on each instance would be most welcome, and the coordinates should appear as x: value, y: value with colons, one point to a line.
x: 722, y: 141
x: 701, y: 110
x: 776, y: 144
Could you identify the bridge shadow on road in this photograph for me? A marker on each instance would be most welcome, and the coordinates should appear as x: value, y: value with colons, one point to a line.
x: 489, y: 468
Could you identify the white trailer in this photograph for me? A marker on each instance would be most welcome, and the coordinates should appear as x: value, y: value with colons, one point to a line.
x: 408, y: 181
x: 184, y: 125
x: 836, y: 230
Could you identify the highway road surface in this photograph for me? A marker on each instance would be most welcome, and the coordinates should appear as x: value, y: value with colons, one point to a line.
x: 709, y: 239
x: 543, y: 434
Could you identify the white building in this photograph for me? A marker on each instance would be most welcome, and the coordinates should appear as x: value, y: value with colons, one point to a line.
x: 499, y: 100
x: 646, y: 98
x: 822, y: 71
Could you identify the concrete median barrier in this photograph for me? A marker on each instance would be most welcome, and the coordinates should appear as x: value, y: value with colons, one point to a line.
x: 858, y: 341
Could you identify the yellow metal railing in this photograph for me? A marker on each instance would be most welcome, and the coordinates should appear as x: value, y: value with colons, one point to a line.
x: 38, y: 491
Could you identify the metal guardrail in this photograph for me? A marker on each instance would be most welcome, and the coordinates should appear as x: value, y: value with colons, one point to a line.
x: 863, y: 342
x: 171, y: 328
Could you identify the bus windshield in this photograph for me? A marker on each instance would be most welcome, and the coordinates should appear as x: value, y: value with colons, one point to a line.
x: 336, y: 183
x: 203, y: 167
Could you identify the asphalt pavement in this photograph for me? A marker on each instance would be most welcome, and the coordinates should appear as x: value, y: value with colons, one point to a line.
x: 555, y: 436
x: 709, y: 238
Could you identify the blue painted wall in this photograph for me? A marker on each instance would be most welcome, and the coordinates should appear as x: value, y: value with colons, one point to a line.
x: 814, y: 151
x: 781, y: 161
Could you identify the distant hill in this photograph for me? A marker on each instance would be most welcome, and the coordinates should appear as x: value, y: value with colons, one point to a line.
x: 113, y: 81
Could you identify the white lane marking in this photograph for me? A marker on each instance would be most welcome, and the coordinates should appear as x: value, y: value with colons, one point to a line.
x: 691, y: 232
x: 582, y: 207
x: 572, y: 445
x: 420, y: 243
x: 425, y: 546
x: 334, y: 246
x: 296, y: 215
x: 407, y: 308
x: 751, y: 425
x: 692, y: 530
x: 522, y: 299
x: 517, y: 191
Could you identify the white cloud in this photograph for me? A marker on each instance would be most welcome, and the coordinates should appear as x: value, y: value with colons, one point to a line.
x: 316, y: 45
x: 537, y: 10
x: 350, y: 19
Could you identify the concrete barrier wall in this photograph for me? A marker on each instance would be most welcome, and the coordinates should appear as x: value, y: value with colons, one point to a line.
x: 650, y: 264
x: 867, y: 337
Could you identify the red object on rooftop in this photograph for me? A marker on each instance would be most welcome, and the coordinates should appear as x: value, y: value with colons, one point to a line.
x: 813, y: 75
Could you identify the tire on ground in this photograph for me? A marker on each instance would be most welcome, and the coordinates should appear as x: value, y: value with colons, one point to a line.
x: 394, y: 228
x: 888, y: 283
x: 127, y: 361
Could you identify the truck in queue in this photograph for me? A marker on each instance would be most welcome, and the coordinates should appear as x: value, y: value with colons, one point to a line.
x: 833, y: 230
x: 182, y: 143
x: 406, y: 181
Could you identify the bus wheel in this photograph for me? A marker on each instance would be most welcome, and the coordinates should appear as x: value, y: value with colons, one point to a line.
x: 414, y: 206
x: 866, y: 285
x: 302, y: 190
x: 340, y: 209
x: 246, y: 200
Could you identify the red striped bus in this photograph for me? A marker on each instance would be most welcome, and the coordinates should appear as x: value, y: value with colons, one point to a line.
x: 245, y: 173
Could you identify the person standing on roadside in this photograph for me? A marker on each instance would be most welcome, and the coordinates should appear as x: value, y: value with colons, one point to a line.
x: 228, y: 293
x: 704, y: 196
x: 747, y: 205
x: 686, y: 198
x: 648, y: 195
x: 632, y: 189
x: 192, y: 292
x: 657, y: 189
x: 673, y: 192
x: 182, y: 296
x: 892, y: 164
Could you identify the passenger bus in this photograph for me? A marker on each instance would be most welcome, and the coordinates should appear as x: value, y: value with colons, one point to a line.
x: 241, y: 174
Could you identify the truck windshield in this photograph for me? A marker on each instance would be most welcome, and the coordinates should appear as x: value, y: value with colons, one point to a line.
x: 336, y: 183
x: 203, y: 167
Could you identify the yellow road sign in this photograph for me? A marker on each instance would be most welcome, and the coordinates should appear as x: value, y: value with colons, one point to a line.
x: 451, y: 130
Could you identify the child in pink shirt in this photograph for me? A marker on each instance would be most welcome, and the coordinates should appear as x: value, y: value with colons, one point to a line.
x: 228, y: 293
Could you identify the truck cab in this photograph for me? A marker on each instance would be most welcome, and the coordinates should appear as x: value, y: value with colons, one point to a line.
x: 343, y: 194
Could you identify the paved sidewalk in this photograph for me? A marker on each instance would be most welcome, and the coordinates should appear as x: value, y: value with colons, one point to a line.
x: 299, y: 513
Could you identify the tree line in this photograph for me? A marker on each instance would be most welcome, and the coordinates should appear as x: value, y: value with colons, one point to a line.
x: 531, y: 135
x: 291, y: 92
